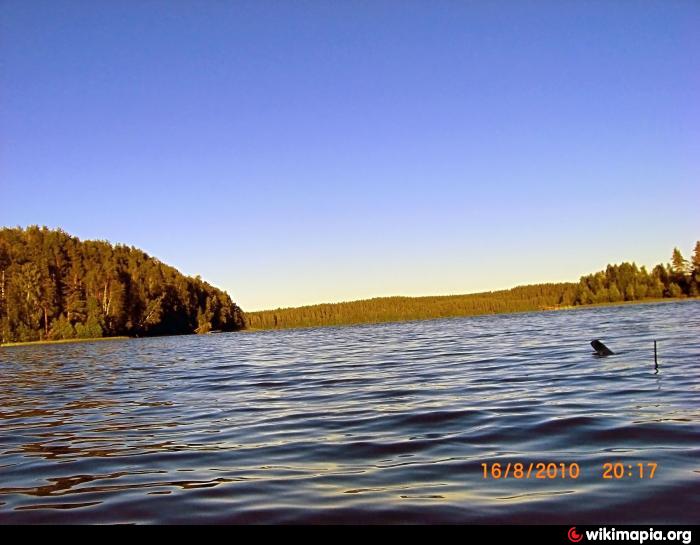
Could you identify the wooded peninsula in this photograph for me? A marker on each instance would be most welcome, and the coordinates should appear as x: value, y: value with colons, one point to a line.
x: 54, y: 287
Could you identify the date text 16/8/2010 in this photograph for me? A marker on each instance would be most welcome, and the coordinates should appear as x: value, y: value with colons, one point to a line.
x: 561, y: 470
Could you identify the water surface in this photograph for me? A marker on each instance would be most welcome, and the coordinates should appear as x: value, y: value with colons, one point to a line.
x: 373, y: 423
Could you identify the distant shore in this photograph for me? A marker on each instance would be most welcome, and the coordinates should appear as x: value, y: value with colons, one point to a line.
x: 543, y: 309
x: 66, y: 341
x: 253, y: 330
x: 622, y: 303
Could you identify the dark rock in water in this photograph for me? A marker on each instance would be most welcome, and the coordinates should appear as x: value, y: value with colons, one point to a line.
x: 601, y: 349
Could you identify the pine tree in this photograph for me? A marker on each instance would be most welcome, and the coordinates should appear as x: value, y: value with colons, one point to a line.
x: 679, y: 265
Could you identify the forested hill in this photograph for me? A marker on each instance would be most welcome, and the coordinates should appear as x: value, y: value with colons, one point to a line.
x: 55, y: 286
x: 617, y: 283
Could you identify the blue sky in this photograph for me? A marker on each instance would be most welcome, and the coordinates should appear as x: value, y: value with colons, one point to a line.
x: 301, y: 152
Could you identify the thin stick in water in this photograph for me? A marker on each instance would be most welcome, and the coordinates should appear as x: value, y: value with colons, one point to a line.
x: 656, y: 361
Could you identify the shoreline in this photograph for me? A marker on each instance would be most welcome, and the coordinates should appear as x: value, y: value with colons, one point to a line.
x: 256, y: 330
x: 623, y: 303
x: 64, y: 341
x: 548, y: 309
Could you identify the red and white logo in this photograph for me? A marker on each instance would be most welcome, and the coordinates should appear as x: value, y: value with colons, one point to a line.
x: 574, y: 536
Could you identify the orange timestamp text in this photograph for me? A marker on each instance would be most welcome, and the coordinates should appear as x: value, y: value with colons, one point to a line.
x: 566, y: 470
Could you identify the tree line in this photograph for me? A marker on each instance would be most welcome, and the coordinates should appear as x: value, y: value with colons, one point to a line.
x: 55, y: 286
x: 627, y: 282
x: 618, y: 283
x: 395, y: 309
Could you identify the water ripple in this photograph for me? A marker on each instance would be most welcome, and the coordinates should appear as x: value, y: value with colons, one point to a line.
x: 373, y: 423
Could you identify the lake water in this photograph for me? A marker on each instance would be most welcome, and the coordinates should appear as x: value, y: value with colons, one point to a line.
x: 373, y: 423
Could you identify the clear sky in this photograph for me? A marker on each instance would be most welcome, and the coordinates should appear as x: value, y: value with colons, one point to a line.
x: 302, y: 152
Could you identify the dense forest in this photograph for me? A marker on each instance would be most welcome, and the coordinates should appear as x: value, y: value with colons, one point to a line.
x: 391, y: 309
x: 55, y: 286
x: 618, y: 283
